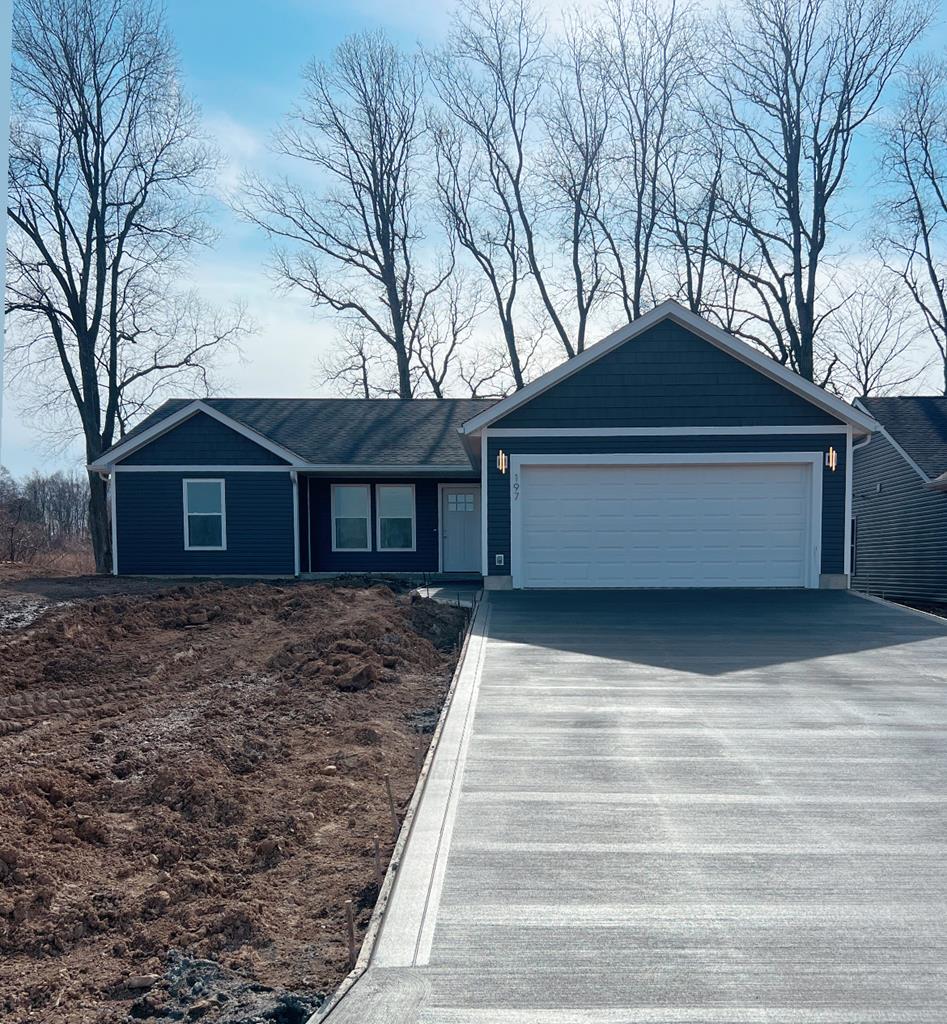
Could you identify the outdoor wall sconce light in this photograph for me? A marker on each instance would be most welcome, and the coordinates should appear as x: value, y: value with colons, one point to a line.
x: 831, y: 459
x: 502, y: 461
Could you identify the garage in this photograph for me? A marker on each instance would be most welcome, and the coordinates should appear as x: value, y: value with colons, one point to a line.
x: 714, y: 520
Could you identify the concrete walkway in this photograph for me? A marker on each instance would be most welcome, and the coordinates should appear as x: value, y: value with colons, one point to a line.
x: 674, y: 807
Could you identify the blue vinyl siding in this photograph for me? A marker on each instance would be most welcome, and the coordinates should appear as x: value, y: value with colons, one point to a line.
x: 150, y: 518
x: 201, y: 439
x: 324, y: 559
x: 666, y: 377
x: 901, y: 548
x: 833, y: 484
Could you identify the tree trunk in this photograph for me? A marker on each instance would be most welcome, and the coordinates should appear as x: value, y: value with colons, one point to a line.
x: 100, y: 524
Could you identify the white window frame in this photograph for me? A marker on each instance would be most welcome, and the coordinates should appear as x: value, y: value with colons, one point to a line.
x: 368, y: 516
x: 414, y: 517
x: 223, y: 513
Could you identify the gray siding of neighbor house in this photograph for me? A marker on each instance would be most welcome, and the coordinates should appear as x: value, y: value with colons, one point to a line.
x: 901, y: 545
x: 833, y: 484
x: 202, y: 439
x: 666, y: 377
x: 316, y: 506
x: 150, y: 522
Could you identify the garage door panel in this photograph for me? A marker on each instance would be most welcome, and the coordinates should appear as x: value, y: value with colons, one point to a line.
x: 664, y: 526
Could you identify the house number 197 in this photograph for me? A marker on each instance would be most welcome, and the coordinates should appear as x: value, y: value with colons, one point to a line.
x: 516, y: 487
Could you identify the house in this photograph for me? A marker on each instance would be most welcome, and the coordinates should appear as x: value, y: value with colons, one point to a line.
x: 669, y: 454
x: 899, y: 530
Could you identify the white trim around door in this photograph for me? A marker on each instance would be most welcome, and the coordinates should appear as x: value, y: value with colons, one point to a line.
x: 813, y: 459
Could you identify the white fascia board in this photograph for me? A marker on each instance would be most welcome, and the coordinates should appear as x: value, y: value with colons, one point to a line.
x: 838, y: 428
x: 881, y: 429
x: 368, y: 470
x: 669, y: 309
x: 123, y: 450
x: 303, y: 467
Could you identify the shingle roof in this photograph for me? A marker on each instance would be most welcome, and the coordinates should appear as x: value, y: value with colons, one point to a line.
x: 918, y: 425
x: 350, y: 431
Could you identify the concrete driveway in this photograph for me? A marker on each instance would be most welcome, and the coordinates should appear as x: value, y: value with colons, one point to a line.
x: 673, y: 807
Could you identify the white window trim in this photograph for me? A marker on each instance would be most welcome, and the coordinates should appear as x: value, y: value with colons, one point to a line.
x: 223, y: 513
x: 378, y: 517
x: 814, y: 459
x: 368, y: 517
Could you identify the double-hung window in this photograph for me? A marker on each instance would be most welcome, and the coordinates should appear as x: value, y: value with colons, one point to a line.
x: 396, y: 519
x: 351, y: 517
x: 205, y: 515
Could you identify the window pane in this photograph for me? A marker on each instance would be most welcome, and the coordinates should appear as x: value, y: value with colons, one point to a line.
x: 204, y: 531
x: 397, y: 502
x: 396, y: 533
x: 203, y: 496
x: 351, y: 502
x: 351, y: 533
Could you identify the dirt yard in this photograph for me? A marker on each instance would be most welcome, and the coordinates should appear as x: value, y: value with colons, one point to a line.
x: 190, y: 780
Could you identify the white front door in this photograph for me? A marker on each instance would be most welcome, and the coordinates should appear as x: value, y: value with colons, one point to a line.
x: 460, y: 528
x: 683, y: 525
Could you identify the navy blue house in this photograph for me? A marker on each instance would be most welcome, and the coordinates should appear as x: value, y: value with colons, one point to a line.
x: 669, y: 454
x: 899, y: 504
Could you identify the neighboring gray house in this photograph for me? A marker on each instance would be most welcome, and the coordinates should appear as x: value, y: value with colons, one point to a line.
x: 899, y: 504
x: 670, y: 454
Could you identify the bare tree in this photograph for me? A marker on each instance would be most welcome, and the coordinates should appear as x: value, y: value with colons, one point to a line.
x: 358, y: 368
x: 794, y: 83
x: 478, y: 213
x: 106, y: 164
x: 874, y: 337
x: 648, y: 50
x: 61, y: 501
x: 694, y: 188
x: 576, y: 120
x: 445, y: 347
x: 490, y: 81
x: 355, y: 247
x: 913, y: 241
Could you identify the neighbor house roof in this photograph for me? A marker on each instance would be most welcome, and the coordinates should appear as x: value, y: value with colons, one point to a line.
x: 331, y: 431
x: 918, y: 426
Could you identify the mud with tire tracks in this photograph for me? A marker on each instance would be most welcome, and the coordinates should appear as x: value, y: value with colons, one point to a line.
x: 190, y: 780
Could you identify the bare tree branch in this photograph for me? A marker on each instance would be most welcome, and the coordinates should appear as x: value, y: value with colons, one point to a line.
x: 107, y: 165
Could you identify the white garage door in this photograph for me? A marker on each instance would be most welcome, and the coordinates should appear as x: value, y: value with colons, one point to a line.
x: 681, y: 525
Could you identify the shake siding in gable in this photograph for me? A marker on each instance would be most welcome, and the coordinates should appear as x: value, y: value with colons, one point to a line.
x: 150, y: 520
x: 901, y: 548
x: 666, y: 377
x: 202, y: 439
x: 833, y: 484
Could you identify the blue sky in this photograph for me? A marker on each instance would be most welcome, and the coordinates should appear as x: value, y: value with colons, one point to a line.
x: 241, y: 60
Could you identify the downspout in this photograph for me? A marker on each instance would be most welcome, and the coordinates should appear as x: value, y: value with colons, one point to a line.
x: 850, y: 499
x: 294, y: 476
x: 110, y: 481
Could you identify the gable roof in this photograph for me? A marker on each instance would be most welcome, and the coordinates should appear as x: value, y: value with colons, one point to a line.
x: 841, y: 410
x: 331, y: 432
x: 918, y: 427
